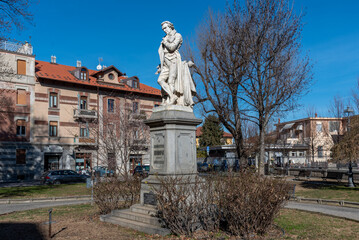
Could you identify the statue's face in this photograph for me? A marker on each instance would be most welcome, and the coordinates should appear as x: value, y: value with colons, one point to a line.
x: 166, y: 28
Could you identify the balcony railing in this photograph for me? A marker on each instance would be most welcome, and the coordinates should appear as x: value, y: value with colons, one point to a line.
x: 16, y: 47
x: 85, y: 141
x: 84, y: 113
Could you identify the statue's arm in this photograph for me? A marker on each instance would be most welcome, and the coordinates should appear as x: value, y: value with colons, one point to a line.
x: 173, y: 46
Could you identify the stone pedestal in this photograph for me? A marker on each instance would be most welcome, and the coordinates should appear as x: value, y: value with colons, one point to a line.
x: 173, y: 153
x: 173, y: 147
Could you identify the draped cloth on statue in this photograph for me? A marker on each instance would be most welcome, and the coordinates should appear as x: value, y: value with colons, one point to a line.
x: 186, y: 85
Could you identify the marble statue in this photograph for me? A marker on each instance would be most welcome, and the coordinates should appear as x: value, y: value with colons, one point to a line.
x: 175, y: 78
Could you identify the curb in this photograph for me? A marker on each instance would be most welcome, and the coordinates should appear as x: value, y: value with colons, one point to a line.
x: 340, y: 203
x: 51, y: 199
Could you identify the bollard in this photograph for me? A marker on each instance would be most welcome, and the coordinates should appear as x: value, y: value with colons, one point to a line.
x: 50, y: 211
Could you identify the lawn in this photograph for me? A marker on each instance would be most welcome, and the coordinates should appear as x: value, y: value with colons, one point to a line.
x: 82, y: 222
x: 305, y: 225
x: 330, y: 190
x: 43, y: 191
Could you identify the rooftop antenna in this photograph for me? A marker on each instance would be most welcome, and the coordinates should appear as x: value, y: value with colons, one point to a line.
x: 99, y: 66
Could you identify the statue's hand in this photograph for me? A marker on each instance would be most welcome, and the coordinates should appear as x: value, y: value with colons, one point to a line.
x: 158, y: 69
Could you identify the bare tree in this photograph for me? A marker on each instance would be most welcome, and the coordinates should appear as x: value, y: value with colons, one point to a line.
x: 220, y: 66
x: 311, y: 111
x: 336, y: 107
x: 13, y: 13
x: 355, y: 97
x: 122, y: 134
x: 250, y: 65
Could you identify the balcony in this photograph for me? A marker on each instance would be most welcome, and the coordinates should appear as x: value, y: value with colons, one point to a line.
x: 85, y: 141
x: 16, y: 47
x: 85, y: 114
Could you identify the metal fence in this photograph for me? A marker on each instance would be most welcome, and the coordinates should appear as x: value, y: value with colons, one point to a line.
x: 16, y: 47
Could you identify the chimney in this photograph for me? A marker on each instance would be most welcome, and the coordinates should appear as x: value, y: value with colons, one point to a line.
x: 53, y: 59
x: 278, y: 120
x: 78, y: 63
x: 316, y: 115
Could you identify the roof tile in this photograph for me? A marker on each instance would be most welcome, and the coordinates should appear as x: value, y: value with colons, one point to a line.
x: 62, y: 73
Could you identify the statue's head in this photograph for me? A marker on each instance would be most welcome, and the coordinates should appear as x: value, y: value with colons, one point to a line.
x: 167, y: 23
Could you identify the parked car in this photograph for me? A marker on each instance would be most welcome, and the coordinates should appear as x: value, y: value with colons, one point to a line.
x: 62, y: 176
x: 202, y: 167
x: 141, y: 170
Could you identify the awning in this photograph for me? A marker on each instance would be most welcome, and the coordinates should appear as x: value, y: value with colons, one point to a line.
x: 287, y: 126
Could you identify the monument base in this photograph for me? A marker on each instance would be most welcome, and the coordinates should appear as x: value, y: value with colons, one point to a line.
x: 173, y: 154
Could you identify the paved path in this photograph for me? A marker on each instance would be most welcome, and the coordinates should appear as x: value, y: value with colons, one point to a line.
x: 8, y: 208
x: 337, y: 211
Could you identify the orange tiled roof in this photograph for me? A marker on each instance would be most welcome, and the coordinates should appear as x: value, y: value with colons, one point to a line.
x: 199, y: 133
x: 62, y: 73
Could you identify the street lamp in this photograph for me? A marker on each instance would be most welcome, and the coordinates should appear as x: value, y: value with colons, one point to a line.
x: 349, y: 111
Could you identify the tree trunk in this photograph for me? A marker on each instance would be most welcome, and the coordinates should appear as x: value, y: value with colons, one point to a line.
x: 261, y: 150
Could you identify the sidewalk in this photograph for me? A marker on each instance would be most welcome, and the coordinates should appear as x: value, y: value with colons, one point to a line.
x: 336, y: 211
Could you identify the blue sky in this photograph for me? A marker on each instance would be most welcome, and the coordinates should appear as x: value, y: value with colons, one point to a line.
x: 127, y: 34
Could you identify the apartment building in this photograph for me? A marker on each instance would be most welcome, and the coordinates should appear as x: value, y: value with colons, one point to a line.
x: 307, y: 140
x: 53, y: 114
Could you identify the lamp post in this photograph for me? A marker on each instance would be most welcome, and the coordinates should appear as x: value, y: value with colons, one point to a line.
x: 349, y: 111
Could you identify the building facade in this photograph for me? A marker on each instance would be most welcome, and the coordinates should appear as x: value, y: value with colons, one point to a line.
x: 306, y: 141
x: 58, y: 117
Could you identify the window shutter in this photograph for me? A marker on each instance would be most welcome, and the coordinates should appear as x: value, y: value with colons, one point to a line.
x: 21, y: 97
x: 21, y: 67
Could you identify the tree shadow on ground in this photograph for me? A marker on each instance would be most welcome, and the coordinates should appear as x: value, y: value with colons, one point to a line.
x: 328, y: 185
x: 20, y: 231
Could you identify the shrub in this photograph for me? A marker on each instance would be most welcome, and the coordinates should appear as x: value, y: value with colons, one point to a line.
x: 184, y: 205
x: 248, y: 202
x: 241, y: 204
x: 112, y: 193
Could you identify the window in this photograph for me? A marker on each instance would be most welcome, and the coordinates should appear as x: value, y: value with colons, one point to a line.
x: 110, y: 105
x: 301, y: 154
x: 320, y: 151
x: 20, y: 156
x: 83, y: 74
x: 53, y: 100
x: 294, y: 154
x: 156, y: 105
x: 334, y: 126
x: 135, y: 107
x: 21, y: 67
x: 53, y: 129
x: 84, y: 132
x: 21, y: 97
x: 319, y: 127
x: 135, y: 134
x: 111, y: 76
x: 20, y: 127
x: 134, y: 84
x: 83, y: 102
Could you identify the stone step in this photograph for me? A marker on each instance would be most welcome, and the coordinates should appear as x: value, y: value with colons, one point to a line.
x: 144, y: 209
x: 135, y: 216
x: 139, y: 226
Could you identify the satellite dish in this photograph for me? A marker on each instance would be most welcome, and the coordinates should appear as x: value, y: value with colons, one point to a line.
x: 99, y: 67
